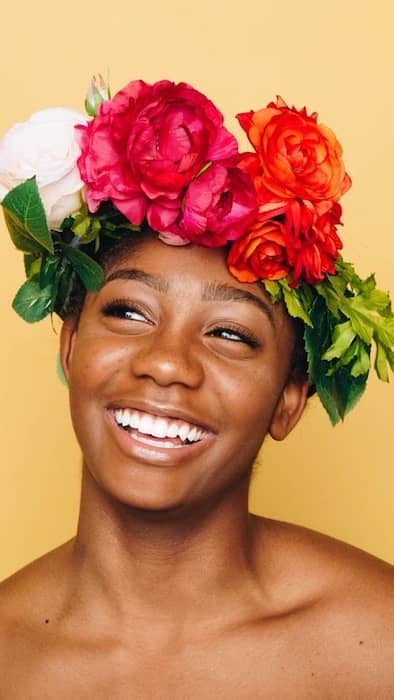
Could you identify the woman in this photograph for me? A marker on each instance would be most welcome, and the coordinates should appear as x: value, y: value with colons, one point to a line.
x: 177, y: 369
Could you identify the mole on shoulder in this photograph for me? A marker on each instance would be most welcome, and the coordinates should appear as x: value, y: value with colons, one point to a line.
x: 361, y: 641
x: 46, y: 621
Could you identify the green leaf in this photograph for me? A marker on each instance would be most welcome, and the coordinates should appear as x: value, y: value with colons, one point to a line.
x: 337, y: 389
x: 31, y: 302
x: 348, y: 358
x: 381, y: 361
x: 66, y: 277
x: 346, y: 271
x: 81, y: 225
x: 18, y: 235
x: 274, y: 290
x: 362, y: 363
x: 294, y: 303
x: 376, y: 300
x: 338, y: 283
x: 48, y: 271
x: 343, y: 335
x: 88, y: 270
x: 86, y: 228
x: 340, y: 393
x: 390, y: 358
x: 25, y: 216
x: 331, y: 298
x: 365, y: 322
x: 67, y: 223
x: 32, y: 264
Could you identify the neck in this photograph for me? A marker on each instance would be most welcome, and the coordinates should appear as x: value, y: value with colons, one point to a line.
x: 137, y: 562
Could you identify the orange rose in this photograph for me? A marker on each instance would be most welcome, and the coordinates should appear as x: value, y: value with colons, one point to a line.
x: 260, y: 254
x: 298, y: 157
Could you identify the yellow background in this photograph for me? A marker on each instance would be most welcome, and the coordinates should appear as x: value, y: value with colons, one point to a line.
x: 335, y: 57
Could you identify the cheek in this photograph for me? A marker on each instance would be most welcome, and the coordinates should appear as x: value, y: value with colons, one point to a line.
x: 94, y: 369
x: 249, y: 396
x: 96, y: 362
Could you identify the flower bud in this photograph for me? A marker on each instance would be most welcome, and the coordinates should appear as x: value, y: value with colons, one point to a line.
x: 98, y: 92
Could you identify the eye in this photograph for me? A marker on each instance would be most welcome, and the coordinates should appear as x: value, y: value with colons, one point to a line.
x: 125, y: 310
x: 235, y: 335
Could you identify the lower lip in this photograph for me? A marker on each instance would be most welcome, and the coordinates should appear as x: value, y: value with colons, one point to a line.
x: 154, y: 453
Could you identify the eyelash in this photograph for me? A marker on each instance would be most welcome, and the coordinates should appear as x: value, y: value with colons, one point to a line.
x: 120, y: 308
x: 244, y: 337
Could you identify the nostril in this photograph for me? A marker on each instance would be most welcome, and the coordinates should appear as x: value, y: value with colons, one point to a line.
x: 169, y: 363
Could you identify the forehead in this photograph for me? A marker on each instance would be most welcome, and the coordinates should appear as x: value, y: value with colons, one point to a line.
x: 177, y: 266
x: 148, y: 252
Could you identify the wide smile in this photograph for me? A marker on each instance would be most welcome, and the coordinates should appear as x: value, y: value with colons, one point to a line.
x: 170, y: 433
x: 157, y: 438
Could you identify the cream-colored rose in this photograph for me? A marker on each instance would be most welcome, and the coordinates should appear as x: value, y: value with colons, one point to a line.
x: 45, y: 147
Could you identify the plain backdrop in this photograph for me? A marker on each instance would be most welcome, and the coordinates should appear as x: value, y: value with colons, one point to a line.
x: 338, y: 59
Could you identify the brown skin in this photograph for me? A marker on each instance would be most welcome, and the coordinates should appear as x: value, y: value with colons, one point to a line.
x: 170, y: 589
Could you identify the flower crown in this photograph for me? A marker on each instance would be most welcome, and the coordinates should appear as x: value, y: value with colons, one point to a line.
x: 159, y: 155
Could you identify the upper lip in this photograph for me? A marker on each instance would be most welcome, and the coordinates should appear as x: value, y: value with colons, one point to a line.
x: 164, y: 411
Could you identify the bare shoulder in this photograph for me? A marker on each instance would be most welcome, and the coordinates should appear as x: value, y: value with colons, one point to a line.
x: 342, y: 562
x: 347, y: 599
x: 29, y: 597
x: 321, y: 568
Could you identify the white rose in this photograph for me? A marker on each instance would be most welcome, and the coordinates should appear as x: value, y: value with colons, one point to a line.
x: 45, y: 147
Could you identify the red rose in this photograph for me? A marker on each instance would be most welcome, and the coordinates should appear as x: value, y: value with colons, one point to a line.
x: 260, y: 254
x: 312, y: 242
x: 297, y: 157
x: 147, y: 144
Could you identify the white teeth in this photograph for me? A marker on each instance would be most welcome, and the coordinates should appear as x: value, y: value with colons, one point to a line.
x: 146, y: 424
x: 119, y: 416
x: 134, y: 420
x: 157, y: 426
x: 172, y: 430
x: 126, y: 417
x: 183, y: 432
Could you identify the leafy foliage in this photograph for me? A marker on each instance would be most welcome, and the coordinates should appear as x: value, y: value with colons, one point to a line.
x: 25, y: 218
x: 90, y: 272
x: 32, y: 302
x: 338, y: 388
x: 53, y: 259
x: 344, y: 318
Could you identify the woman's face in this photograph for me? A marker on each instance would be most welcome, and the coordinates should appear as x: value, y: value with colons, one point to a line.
x: 176, y: 373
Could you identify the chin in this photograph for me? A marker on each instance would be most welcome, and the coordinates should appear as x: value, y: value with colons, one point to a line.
x: 142, y: 489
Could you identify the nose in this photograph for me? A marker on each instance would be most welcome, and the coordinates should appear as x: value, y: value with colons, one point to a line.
x: 169, y: 357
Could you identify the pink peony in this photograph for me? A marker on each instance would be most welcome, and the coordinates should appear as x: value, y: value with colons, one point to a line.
x: 218, y: 207
x: 145, y: 147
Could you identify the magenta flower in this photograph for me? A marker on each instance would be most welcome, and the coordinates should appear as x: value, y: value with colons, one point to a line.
x: 218, y: 207
x: 145, y: 147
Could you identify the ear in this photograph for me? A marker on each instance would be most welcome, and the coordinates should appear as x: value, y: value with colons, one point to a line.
x: 67, y: 341
x: 289, y: 408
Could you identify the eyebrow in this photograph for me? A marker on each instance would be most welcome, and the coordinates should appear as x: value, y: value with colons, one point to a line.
x: 155, y: 281
x: 220, y: 291
x: 213, y: 291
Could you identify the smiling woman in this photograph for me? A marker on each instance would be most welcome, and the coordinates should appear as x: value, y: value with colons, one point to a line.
x: 167, y: 344
x: 203, y: 300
